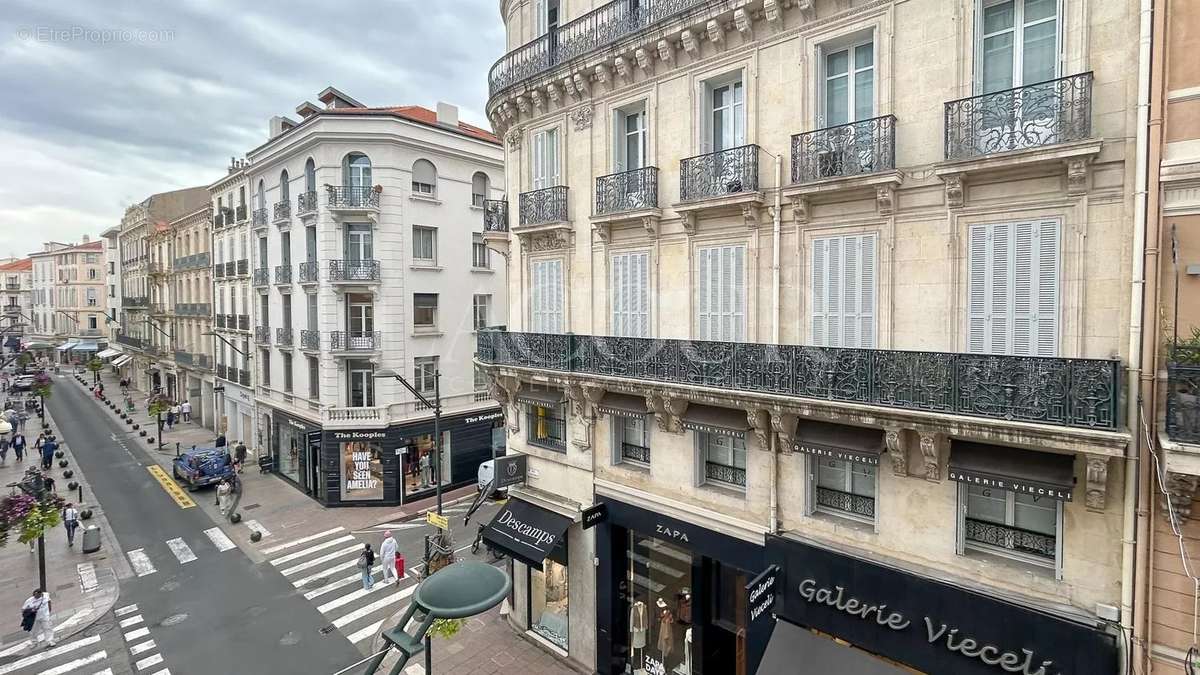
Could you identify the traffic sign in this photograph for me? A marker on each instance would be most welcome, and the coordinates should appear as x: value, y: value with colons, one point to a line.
x: 440, y: 522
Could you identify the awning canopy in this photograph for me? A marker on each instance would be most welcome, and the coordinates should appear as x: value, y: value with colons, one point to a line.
x: 38, y: 344
x: 526, y: 532
x: 622, y: 405
x: 543, y: 397
x: 108, y: 353
x: 840, y: 441
x: 714, y: 420
x: 1042, y: 474
x: 793, y: 650
x: 67, y: 346
x: 120, y: 361
x: 86, y: 346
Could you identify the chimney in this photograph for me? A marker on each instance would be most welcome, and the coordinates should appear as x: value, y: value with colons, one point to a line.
x: 447, y: 114
x: 279, y: 125
x: 86, y: 239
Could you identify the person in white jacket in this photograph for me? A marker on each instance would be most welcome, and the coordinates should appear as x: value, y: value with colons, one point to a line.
x: 388, y: 551
x: 43, y: 623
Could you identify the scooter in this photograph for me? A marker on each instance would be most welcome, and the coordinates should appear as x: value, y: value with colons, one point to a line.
x: 495, y: 554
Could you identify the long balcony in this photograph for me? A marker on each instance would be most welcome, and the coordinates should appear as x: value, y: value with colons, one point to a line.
x: 351, y: 198
x: 628, y: 191
x: 12, y: 286
x: 1047, y: 113
x: 354, y: 271
x: 309, y: 272
x: 259, y: 218
x: 283, y: 337
x: 1183, y: 395
x: 219, y: 219
x: 719, y: 174
x: 219, y: 319
x: 283, y: 274
x: 306, y: 202
x: 541, y: 207
x: 160, y: 308
x: 1082, y: 393
x: 847, y: 150
x: 134, y: 301
x: 243, y: 376
x: 355, y: 341
x: 310, y: 340
x: 243, y: 322
x: 262, y: 277
x: 193, y: 309
x: 495, y: 215
x: 282, y: 212
x: 241, y: 213
x: 192, y: 262
x: 262, y: 335
x: 129, y: 341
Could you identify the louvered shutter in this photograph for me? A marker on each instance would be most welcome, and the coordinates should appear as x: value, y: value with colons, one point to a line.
x: 866, y: 302
x: 1024, y: 289
x: 539, y: 160
x: 536, y: 298
x: 703, y: 300
x: 620, y: 295
x: 640, y: 295
x: 851, y: 287
x: 977, y: 291
x: 833, y: 293
x: 1046, y: 332
x: 551, y: 160
x: 556, y: 295
x: 724, y: 294
x: 737, y: 318
x: 820, y: 286
x: 1000, y: 293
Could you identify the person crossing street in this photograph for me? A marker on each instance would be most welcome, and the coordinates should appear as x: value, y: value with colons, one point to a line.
x: 388, y: 550
x: 36, y: 618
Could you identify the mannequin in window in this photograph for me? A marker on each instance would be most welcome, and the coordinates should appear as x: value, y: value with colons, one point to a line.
x: 666, y: 630
x: 637, y: 634
x: 683, y: 606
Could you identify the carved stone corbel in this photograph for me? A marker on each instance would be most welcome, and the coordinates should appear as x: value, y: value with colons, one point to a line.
x: 666, y: 52
x: 741, y: 20
x: 523, y: 104
x: 667, y: 412
x: 583, y: 401
x: 1097, y: 482
x: 931, y: 454
x: 603, y: 232
x: 750, y: 214
x: 581, y: 84
x: 885, y: 199
x: 1077, y: 176
x: 645, y: 61
x: 897, y: 449
x: 553, y: 92
x: 715, y: 31
x: 1181, y: 491
x: 624, y: 70
x: 799, y: 209
x: 510, y: 386
x: 539, y: 101
x: 568, y: 86
x: 784, y: 425
x: 772, y: 11
x: 955, y: 195
x: 690, y: 44
x: 688, y: 220
x: 760, y: 424
x: 650, y: 224
x: 513, y: 138
x: 602, y: 72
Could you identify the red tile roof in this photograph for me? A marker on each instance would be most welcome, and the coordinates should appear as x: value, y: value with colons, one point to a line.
x: 22, y: 265
x: 417, y: 114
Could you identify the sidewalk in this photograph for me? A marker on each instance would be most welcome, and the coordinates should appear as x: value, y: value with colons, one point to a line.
x: 82, y: 587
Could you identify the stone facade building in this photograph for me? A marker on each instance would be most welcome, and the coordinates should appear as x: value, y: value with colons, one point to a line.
x: 190, y: 285
x: 17, y: 277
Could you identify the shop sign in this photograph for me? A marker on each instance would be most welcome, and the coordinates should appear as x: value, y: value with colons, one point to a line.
x: 313, y: 438
x: 359, y: 435
x: 483, y: 418
x: 294, y: 424
x: 510, y: 470
x: 594, y: 515
x: 760, y: 594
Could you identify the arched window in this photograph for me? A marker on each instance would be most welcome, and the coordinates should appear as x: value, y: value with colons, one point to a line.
x: 356, y: 170
x: 424, y: 178
x: 262, y: 194
x: 283, y: 186
x: 310, y: 175
x: 479, y: 188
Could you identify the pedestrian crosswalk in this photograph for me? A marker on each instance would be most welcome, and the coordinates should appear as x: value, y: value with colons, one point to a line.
x: 91, y: 654
x: 146, y: 561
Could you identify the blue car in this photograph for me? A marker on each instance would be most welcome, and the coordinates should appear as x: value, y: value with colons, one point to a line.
x: 198, y: 467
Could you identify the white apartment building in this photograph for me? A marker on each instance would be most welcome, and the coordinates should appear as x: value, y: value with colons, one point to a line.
x: 368, y: 254
x: 17, y: 277
x: 43, y: 299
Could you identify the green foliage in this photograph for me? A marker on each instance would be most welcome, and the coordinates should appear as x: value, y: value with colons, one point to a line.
x: 23, y: 513
x: 95, y: 365
x: 159, y: 405
x: 25, y: 359
x: 1186, y: 350
x: 42, y: 385
x: 445, y: 628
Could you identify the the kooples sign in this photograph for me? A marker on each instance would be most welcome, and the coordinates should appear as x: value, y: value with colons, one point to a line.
x: 359, y: 435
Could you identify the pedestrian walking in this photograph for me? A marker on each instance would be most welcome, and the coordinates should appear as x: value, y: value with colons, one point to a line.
x: 36, y: 618
x: 18, y: 445
x: 171, y: 419
x: 185, y: 409
x: 223, y: 491
x: 220, y: 443
x: 387, y: 550
x: 22, y: 418
x: 100, y: 386
x: 49, y: 445
x: 239, y: 456
x: 366, y: 560
x: 70, y: 521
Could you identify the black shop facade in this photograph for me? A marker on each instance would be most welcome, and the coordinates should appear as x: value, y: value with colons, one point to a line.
x: 383, y: 466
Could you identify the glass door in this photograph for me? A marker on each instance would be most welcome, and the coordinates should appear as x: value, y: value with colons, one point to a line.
x: 360, y: 325
x: 1018, y: 48
x: 849, y: 96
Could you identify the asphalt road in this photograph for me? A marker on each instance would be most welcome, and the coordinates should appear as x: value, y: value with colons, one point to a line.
x: 220, y: 613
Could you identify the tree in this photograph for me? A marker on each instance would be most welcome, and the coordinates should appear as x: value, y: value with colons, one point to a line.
x: 95, y: 366
x: 32, y: 512
x: 24, y: 359
x: 159, y: 406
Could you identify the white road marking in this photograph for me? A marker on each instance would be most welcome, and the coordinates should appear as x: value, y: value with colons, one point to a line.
x: 143, y: 647
x: 399, y: 527
x: 77, y: 663
x: 181, y: 550
x: 219, y: 539
x: 323, y: 559
x: 351, y: 597
x: 256, y: 526
x: 310, y: 550
x: 21, y: 646
x: 106, y: 671
x: 131, y: 621
x: 141, y: 562
x: 164, y: 671
x: 125, y: 610
x: 87, y: 576
x: 48, y: 654
x: 344, y: 581
x: 368, y: 632
x: 373, y: 607
x: 302, y: 540
x: 132, y: 635
x: 149, y: 661
x: 336, y: 568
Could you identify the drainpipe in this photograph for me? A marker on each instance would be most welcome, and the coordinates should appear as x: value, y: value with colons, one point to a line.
x: 1134, y: 522
x: 776, y: 236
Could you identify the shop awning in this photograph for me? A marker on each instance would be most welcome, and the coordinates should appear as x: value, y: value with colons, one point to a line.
x: 526, y: 532
x: 793, y: 650
x: 622, y: 405
x: 38, y: 344
x: 1042, y: 474
x: 67, y: 346
x: 86, y: 346
x: 544, y: 397
x: 120, y: 361
x: 714, y: 420
x: 108, y: 353
x: 840, y: 441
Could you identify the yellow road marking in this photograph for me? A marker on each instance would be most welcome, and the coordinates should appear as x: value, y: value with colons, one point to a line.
x: 172, y: 488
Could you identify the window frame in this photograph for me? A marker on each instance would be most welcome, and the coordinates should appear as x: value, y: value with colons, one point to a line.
x: 628, y: 313
x: 848, y: 44
x: 545, y: 166
x: 478, y: 244
x: 368, y: 383
x: 554, y: 319
x: 812, y: 471
x: 621, y: 136
x: 425, y: 370
x: 704, y: 446
x: 735, y: 80
x: 965, y: 546
x: 421, y: 326
x: 979, y: 301
x: 422, y: 188
x: 739, y: 314
x: 1018, y: 42
x: 485, y: 305
x: 432, y: 233
x: 479, y: 197
x: 620, y: 434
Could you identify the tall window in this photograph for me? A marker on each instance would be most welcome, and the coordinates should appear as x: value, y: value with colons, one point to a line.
x: 284, y: 190
x: 285, y: 249
x: 1012, y: 524
x: 360, y: 319
x: 310, y: 244
x: 264, y: 309
x: 546, y: 427
x: 546, y: 311
x: 726, y: 113
x: 843, y: 291
x: 631, y: 443
x: 481, y: 384
x: 545, y: 159
x: 481, y: 311
x: 479, y: 188
x: 359, y: 244
x: 630, y: 123
x: 310, y: 175
x: 1019, y: 43
x: 843, y: 488
x: 424, y: 178
x: 425, y: 373
x: 287, y: 372
x: 314, y: 378
x: 265, y: 359
x: 630, y: 283
x: 361, y: 376
x: 849, y: 84
x: 287, y: 311
x: 722, y: 459
x: 481, y: 258
x: 425, y: 312
x: 262, y: 194
x: 1013, y: 288
x: 424, y: 245
x: 311, y: 298
x: 356, y: 171
x: 721, y: 293
x: 546, y: 12
x: 91, y: 297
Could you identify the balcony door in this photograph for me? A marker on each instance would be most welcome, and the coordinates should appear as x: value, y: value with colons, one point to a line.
x: 1018, y: 46
x: 360, y: 323
x: 630, y: 152
x: 358, y: 171
x: 359, y: 247
x: 547, y: 24
x: 848, y: 96
x: 545, y: 159
x: 726, y: 114
x: 361, y: 384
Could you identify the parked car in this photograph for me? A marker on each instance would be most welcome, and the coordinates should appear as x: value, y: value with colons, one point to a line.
x: 22, y: 383
x: 198, y: 467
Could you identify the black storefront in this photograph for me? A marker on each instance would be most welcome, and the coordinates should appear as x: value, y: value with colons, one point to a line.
x: 886, y: 620
x: 670, y: 597
x: 385, y: 466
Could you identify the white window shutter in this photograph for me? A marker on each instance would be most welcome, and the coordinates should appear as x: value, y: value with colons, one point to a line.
x: 557, y: 290
x: 977, y: 291
x: 833, y: 292
x: 738, y: 309
x: 703, y: 301
x: 641, y: 295
x: 536, y: 298
x: 539, y: 156
x: 1023, y: 289
x: 620, y: 293
x: 866, y: 308
x: 552, y: 158
x: 851, y: 287
x: 1047, y: 291
x: 820, y: 286
x: 1000, y: 293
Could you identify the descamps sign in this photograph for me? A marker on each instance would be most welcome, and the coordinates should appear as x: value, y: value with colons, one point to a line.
x: 531, y: 533
x: 929, y: 625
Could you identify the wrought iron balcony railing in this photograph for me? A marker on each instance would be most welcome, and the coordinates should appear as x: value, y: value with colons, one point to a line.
x: 548, y: 205
x: 635, y: 453
x: 723, y: 473
x: 230, y: 268
x: 10, y: 286
x: 853, y: 149
x: 846, y: 502
x: 261, y: 276
x: 283, y: 337
x: 310, y: 272
x: 218, y: 220
x: 219, y: 271
x: 353, y: 270
x: 243, y: 267
x: 1047, y: 113
x: 129, y: 341
x: 282, y: 210
x: 719, y: 174
x: 223, y: 371
x: 230, y: 320
x: 592, y: 31
x: 219, y: 319
x: 351, y: 197
x: 260, y: 217
x: 495, y: 215
x: 243, y: 377
x: 191, y: 262
x: 183, y: 358
x: 1010, y: 538
x: 354, y: 341
x: 310, y: 339
x: 283, y: 274
x: 241, y: 213
x: 306, y: 202
x: 1183, y: 395
x: 262, y: 335
x: 627, y: 191
x: 1064, y: 392
x: 546, y: 431
x: 134, y: 301
x: 243, y: 322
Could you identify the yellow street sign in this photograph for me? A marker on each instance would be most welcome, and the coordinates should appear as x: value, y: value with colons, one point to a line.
x: 440, y: 522
x: 171, y: 487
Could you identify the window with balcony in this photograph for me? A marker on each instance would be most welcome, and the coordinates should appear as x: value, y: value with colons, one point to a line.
x: 848, y: 72
x: 285, y: 249
x: 361, y: 384
x: 264, y: 357
x: 631, y: 442
x: 311, y: 300
x: 546, y: 13
x: 1011, y: 524
x: 629, y: 279
x: 843, y: 488
x: 481, y: 258
x: 287, y: 372
x: 310, y: 175
x: 314, y: 378
x: 1013, y: 288
x: 721, y: 460
x: 1018, y: 43
x: 424, y: 178
x: 356, y: 171
x: 724, y: 120
x: 262, y: 195
x: 546, y: 306
x: 287, y: 310
x: 264, y: 309
x: 284, y: 189
x: 546, y: 427
x: 424, y: 245
x: 843, y: 291
x: 310, y: 244
x: 481, y: 311
x: 425, y: 374
x: 91, y: 297
x: 629, y: 125
x: 360, y: 319
x: 721, y: 293
x: 425, y: 312
x: 479, y: 189
x: 481, y: 384
x: 545, y: 164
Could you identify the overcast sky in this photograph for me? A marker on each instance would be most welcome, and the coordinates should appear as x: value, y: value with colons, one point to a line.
x: 111, y: 101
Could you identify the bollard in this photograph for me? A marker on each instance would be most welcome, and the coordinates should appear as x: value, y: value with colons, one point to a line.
x: 81, y: 494
x: 176, y: 449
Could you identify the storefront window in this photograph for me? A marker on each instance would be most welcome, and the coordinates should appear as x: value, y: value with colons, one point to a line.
x: 548, y: 596
x: 419, y: 464
x: 291, y: 447
x: 362, y: 471
x: 659, y: 606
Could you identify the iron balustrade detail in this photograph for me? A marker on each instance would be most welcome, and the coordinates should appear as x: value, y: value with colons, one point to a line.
x: 548, y: 205
x: 354, y: 341
x: 1046, y: 113
x: 306, y: 202
x: 351, y: 197
x: 282, y: 210
x: 718, y: 174
x: 854, y: 149
x: 243, y: 267
x: 283, y: 274
x: 134, y: 300
x: 222, y: 371
x: 183, y: 358
x: 230, y: 320
x: 241, y: 213
x: 309, y: 272
x: 495, y: 215
x: 219, y: 271
x: 230, y: 268
x: 354, y: 270
x: 627, y: 191
x: 546, y: 431
x: 260, y: 217
x: 310, y: 339
x: 1011, y: 538
x: 243, y: 377
x: 1183, y: 394
x: 218, y: 220
x: 723, y: 473
x: 243, y: 322
x: 262, y: 335
x: 847, y: 502
x: 635, y: 453
x: 129, y: 341
x: 262, y: 276
x: 1084, y: 393
x: 220, y: 320
x: 283, y: 337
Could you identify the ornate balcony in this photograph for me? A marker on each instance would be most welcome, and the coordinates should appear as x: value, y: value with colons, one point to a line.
x: 310, y: 340
x: 355, y: 341
x: 230, y: 268
x: 260, y: 218
x: 219, y: 271
x: 283, y: 337
x: 243, y: 377
x: 354, y: 271
x: 351, y: 198
x: 495, y: 215
x: 1047, y: 113
x: 129, y: 341
x: 635, y: 453
x: 230, y: 320
x: 219, y: 319
x: 1183, y: 395
x: 846, y: 502
x: 282, y: 212
x: 1081, y: 393
x: 998, y: 535
x: 310, y: 272
x: 634, y: 190
x: 192, y: 262
x: 306, y: 203
x: 844, y: 151
x: 222, y: 371
x: 262, y: 335
x: 243, y: 322
x: 134, y: 301
x: 723, y: 473
x: 200, y: 309
x: 283, y: 275
x: 719, y: 174
x: 219, y: 219
x: 545, y: 206
x: 262, y: 276
x: 243, y: 267
x: 241, y: 213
